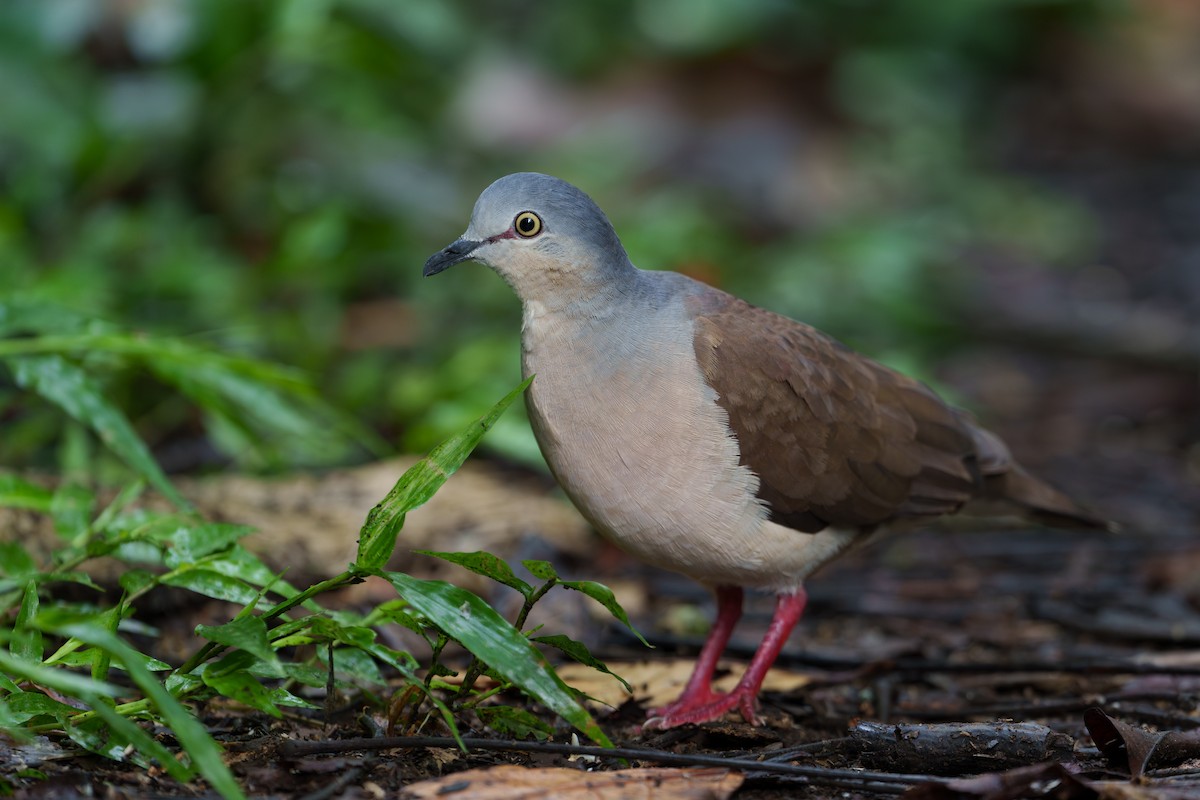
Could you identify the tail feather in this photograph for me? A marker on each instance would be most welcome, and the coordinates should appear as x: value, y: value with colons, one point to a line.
x: 1040, y: 501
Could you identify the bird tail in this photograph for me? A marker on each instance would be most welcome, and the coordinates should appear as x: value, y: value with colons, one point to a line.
x: 1040, y: 501
x: 1007, y: 487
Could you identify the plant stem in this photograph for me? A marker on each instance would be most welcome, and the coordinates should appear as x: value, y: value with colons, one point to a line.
x: 476, y: 667
x: 519, y: 624
x: 212, y: 648
x: 124, y: 709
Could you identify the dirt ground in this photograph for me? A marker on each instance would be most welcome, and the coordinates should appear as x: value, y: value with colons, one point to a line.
x: 1051, y: 663
x: 961, y: 650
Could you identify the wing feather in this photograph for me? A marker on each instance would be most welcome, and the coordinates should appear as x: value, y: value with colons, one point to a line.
x: 835, y: 438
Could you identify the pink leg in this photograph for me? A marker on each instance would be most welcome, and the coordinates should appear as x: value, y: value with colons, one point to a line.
x: 788, y: 609
x: 698, y: 693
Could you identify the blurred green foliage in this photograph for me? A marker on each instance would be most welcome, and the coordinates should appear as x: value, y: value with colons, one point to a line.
x: 268, y: 177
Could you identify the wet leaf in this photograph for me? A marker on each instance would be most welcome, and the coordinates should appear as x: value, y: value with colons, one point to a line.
x: 485, y: 564
x: 245, y: 689
x: 189, y: 545
x: 247, y: 633
x: 542, y: 570
x: 515, y: 722
x: 477, y: 626
x: 377, y: 539
x: 605, y: 597
x: 579, y: 652
x: 212, y: 584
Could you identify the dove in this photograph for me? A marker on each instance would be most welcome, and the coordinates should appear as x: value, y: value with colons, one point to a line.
x: 705, y: 435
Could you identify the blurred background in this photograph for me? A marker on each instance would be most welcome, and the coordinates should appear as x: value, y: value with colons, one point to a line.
x: 1001, y: 197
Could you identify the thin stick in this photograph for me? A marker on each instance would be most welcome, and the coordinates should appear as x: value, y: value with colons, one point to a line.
x: 817, y: 775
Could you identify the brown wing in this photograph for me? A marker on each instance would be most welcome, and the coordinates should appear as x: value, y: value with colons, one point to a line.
x: 835, y: 438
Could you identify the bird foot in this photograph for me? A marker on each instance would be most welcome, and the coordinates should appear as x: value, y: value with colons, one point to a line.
x: 702, y: 708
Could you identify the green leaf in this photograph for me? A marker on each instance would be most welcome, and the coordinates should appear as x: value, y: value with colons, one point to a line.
x: 515, y: 722
x: 71, y: 508
x: 279, y: 399
x: 245, y: 689
x: 579, y: 652
x: 27, y: 705
x: 183, y: 683
x: 233, y: 387
x: 212, y: 584
x: 404, y: 663
x: 484, y: 564
x: 542, y: 570
x: 473, y: 623
x: 396, y: 611
x: 27, y: 640
x: 306, y: 674
x: 134, y: 580
x: 26, y: 314
x: 70, y: 388
x: 144, y: 742
x: 240, y: 563
x: 282, y: 697
x: 247, y: 633
x: 18, y: 493
x: 356, y: 665
x: 113, y: 511
x: 81, y: 578
x: 14, y: 561
x: 87, y: 657
x: 97, y: 736
x: 604, y: 596
x: 55, y: 678
x: 377, y: 539
x: 189, y: 545
x: 205, y: 753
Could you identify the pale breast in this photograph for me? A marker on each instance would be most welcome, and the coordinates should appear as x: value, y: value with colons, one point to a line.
x: 635, y: 437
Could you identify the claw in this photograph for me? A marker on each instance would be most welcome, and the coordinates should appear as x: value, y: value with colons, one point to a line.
x: 679, y: 713
x: 699, y: 703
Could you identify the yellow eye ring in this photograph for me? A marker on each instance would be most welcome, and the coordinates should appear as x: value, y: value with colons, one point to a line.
x: 527, y: 224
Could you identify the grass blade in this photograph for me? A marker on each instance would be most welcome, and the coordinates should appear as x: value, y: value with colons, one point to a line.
x: 70, y: 388
x: 478, y: 627
x: 485, y: 564
x: 18, y: 493
x: 378, y: 536
x: 204, y: 751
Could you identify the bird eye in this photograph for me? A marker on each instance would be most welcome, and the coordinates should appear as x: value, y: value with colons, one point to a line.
x: 528, y: 224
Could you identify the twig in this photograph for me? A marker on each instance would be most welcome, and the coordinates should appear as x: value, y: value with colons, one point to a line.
x: 842, y: 778
x: 335, y: 788
x: 1122, y: 626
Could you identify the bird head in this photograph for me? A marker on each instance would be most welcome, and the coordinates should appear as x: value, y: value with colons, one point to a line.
x: 545, y: 237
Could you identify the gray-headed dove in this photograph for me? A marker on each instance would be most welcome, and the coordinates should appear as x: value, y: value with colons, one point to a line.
x: 710, y: 437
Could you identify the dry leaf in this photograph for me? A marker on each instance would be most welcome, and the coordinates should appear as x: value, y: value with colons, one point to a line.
x: 1039, y: 780
x: 656, y: 683
x: 1138, y: 749
x: 509, y: 782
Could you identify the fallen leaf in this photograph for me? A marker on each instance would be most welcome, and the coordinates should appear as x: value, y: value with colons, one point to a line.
x: 508, y: 782
x: 1136, y: 749
x: 656, y: 683
x: 1040, y: 780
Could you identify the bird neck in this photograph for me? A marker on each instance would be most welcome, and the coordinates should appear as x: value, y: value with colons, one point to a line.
x: 582, y: 293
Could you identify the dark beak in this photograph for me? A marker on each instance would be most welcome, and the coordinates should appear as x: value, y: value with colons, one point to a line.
x: 449, y: 256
